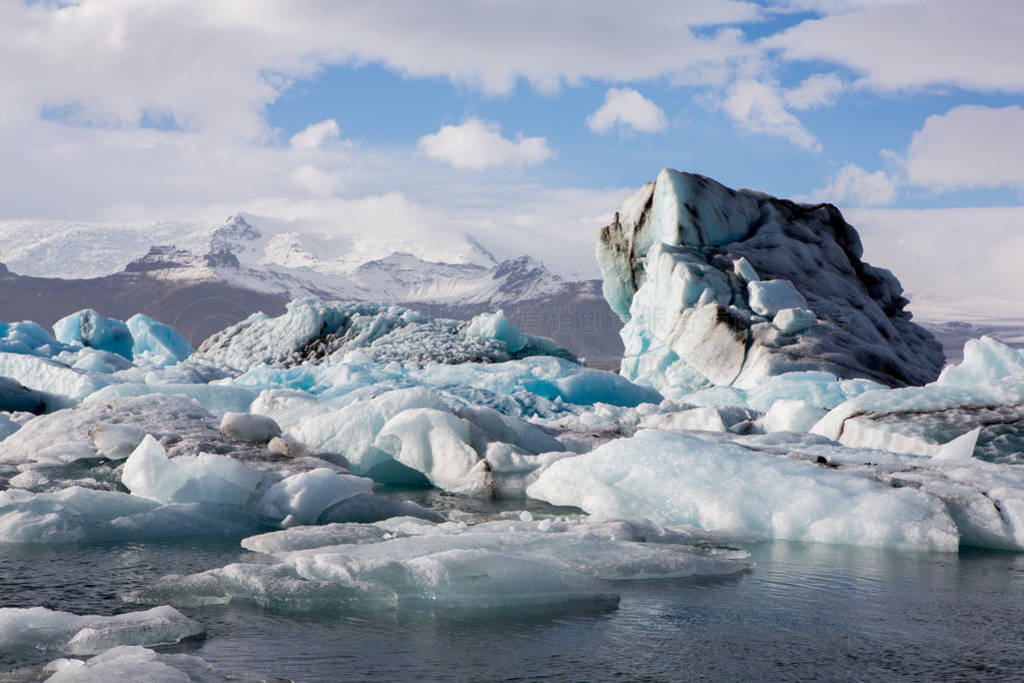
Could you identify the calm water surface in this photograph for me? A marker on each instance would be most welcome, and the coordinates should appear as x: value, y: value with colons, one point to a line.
x: 805, y: 611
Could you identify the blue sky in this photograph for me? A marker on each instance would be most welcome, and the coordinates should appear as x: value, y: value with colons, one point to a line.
x: 524, y: 123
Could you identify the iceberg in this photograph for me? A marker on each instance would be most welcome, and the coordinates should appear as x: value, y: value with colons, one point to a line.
x: 724, y: 287
x: 89, y: 328
x: 155, y: 342
x: 312, y: 331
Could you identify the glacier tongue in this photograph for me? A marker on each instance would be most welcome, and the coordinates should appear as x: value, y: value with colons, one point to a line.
x: 703, y: 277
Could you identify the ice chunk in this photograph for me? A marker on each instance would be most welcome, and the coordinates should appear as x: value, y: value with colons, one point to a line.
x: 116, y: 441
x: 985, y: 359
x: 249, y: 427
x: 790, y: 415
x: 301, y: 498
x: 155, y: 342
x: 203, y: 478
x: 413, y: 564
x: 78, y: 515
x: 793, y: 320
x: 38, y: 628
x: 768, y: 297
x: 676, y: 478
x: 132, y: 663
x: 352, y: 429
x: 50, y: 376
x: 439, y: 445
x: 960, y: 448
x: 743, y: 270
x: 29, y: 338
x: 497, y: 326
x: 89, y: 328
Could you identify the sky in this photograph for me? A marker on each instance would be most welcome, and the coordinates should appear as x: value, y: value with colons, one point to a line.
x: 526, y: 123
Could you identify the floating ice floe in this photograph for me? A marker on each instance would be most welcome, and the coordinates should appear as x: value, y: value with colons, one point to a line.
x: 412, y: 564
x: 724, y: 287
x: 38, y: 628
x: 134, y: 663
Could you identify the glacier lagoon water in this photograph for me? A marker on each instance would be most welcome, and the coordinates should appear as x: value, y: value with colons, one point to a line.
x: 804, y: 611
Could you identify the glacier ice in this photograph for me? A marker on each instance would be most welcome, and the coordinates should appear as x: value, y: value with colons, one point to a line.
x: 769, y: 297
x: 38, y: 628
x: 677, y: 478
x: 413, y: 564
x: 155, y: 342
x: 312, y: 331
x: 89, y: 328
x: 249, y: 427
x: 699, y: 272
x: 29, y: 338
x: 130, y: 663
x: 986, y: 392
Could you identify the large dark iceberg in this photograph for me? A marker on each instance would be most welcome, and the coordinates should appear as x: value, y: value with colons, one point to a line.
x: 724, y: 287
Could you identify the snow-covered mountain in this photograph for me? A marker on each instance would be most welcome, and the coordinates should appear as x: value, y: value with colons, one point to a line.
x: 221, y: 273
x: 82, y: 249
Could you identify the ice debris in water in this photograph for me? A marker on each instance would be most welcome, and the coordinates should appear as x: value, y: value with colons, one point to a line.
x: 312, y: 331
x: 412, y: 564
x: 702, y: 275
x: 38, y: 628
x: 135, y: 663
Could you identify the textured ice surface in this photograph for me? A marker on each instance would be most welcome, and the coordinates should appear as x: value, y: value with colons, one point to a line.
x: 51, y: 376
x: 217, y: 398
x: 681, y: 479
x: 312, y: 330
x: 403, y: 564
x: 985, y: 391
x: 133, y: 663
x: 28, y: 337
x: 768, y: 297
x: 497, y: 326
x: 249, y: 427
x: 155, y: 342
x: 698, y: 271
x: 39, y: 628
x: 91, y: 329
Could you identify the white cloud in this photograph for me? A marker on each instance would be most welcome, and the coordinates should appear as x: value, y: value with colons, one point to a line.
x: 905, y: 45
x: 853, y: 186
x: 216, y: 65
x: 477, y: 145
x: 315, y: 181
x: 814, y: 91
x: 315, y: 135
x: 760, y: 108
x: 969, y: 146
x: 627, y: 108
x: 958, y: 254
